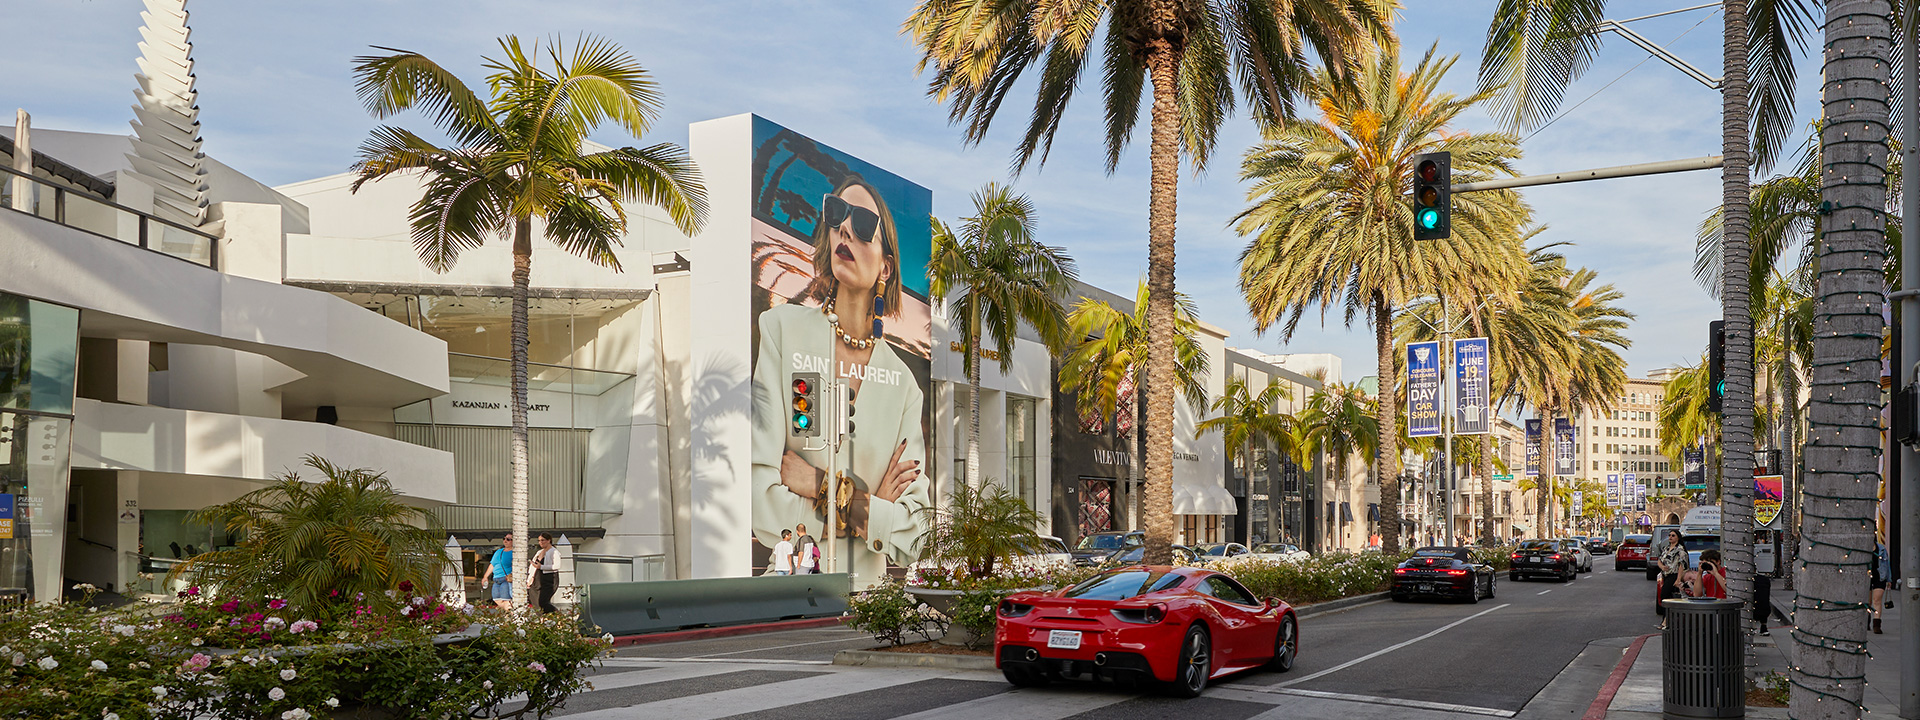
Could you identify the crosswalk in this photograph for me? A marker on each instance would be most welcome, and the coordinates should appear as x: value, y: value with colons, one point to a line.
x: 720, y: 689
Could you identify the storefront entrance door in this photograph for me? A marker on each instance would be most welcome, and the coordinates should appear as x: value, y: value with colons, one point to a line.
x: 1096, y: 506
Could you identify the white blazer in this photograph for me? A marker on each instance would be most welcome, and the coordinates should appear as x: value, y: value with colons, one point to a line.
x: 889, y: 406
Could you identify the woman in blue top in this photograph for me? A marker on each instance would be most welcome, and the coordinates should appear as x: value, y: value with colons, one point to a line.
x: 502, y: 565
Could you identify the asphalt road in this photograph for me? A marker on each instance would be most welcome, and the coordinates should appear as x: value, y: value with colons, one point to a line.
x: 1382, y: 660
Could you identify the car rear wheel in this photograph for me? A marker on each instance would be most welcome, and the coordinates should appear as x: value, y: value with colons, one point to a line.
x: 1196, y: 664
x: 1025, y: 677
x: 1490, y: 579
x: 1286, y: 644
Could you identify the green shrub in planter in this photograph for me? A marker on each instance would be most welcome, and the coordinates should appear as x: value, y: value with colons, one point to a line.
x: 889, y: 614
x: 977, y: 612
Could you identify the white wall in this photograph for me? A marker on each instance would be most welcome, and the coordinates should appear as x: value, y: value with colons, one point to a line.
x: 716, y: 381
x: 186, y: 442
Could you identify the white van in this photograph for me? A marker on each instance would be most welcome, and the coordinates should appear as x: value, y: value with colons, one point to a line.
x: 1703, y: 520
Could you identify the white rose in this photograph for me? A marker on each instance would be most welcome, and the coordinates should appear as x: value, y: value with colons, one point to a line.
x: 276, y: 694
x: 98, y: 665
x: 19, y: 659
x: 486, y: 684
x: 288, y: 674
x: 333, y: 702
x: 295, y: 714
x: 159, y: 692
x: 48, y: 663
x: 110, y: 716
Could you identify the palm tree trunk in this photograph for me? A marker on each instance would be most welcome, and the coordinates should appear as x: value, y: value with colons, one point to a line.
x: 1386, y: 461
x: 522, y: 273
x: 1838, y: 506
x: 1736, y: 430
x: 1163, y: 62
x: 973, y: 401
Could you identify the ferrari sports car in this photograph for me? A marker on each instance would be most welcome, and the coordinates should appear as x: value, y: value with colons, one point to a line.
x: 1181, y: 626
x: 1448, y: 572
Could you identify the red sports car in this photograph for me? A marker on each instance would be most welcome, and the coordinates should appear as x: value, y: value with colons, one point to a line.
x: 1181, y: 626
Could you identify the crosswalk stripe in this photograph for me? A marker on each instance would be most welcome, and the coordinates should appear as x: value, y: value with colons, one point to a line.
x: 1026, y: 704
x: 614, y: 681
x: 764, y: 697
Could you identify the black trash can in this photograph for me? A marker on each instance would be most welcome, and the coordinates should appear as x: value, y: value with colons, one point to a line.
x: 1701, y: 660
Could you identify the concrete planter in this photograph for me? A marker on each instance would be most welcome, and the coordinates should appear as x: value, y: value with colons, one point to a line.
x: 941, y: 601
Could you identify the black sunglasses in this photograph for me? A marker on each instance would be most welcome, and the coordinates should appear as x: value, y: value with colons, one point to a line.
x: 838, y: 211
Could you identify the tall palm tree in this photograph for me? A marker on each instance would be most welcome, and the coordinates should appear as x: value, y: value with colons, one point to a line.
x: 1003, y: 277
x: 1108, y: 368
x: 1245, y: 421
x: 520, y: 156
x: 1535, y: 48
x: 1529, y: 339
x: 1330, y: 226
x: 1191, y: 52
x: 1339, y: 421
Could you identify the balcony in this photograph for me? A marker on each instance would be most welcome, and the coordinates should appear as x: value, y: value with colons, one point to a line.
x: 50, y: 201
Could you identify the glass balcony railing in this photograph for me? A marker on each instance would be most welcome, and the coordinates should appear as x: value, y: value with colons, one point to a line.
x: 44, y: 199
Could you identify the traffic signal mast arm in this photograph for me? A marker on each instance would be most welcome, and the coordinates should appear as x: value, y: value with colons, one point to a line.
x: 1619, y: 171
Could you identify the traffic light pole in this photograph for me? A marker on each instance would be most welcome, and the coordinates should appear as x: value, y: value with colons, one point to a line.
x: 1908, y: 521
x: 1619, y: 171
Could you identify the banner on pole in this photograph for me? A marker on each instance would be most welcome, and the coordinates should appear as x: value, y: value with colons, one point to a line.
x: 1639, y: 496
x: 1613, y: 491
x: 1533, y: 447
x: 1695, y: 466
x: 1472, y: 413
x: 1423, y: 389
x: 1563, y: 463
x: 1768, y: 492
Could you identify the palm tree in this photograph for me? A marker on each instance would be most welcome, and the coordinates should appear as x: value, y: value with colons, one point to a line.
x: 1105, y: 370
x: 520, y: 156
x: 1339, y: 421
x: 1535, y: 48
x: 1004, y: 277
x: 1246, y: 421
x: 349, y: 535
x: 1330, y: 226
x: 983, y: 525
x: 1191, y: 53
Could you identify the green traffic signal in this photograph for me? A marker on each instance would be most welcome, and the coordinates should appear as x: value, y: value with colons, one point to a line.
x: 1429, y: 219
x: 801, y: 421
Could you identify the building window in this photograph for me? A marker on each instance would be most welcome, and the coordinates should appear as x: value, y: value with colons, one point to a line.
x: 1023, y: 448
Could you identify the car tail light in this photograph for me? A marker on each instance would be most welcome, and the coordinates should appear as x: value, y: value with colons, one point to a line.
x: 1011, y: 609
x: 1456, y: 572
x: 1149, y: 615
x: 1399, y: 571
x: 1555, y: 556
x: 1516, y: 556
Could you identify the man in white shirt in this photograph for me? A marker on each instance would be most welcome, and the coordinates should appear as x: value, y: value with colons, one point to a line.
x: 782, y: 561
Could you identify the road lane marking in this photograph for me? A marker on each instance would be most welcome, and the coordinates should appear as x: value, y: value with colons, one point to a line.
x: 743, y: 661
x: 1390, y: 648
x: 1543, y: 592
x: 1375, y: 700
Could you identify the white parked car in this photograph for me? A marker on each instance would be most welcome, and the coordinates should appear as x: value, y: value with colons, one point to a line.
x: 1279, y: 551
x: 1582, y: 556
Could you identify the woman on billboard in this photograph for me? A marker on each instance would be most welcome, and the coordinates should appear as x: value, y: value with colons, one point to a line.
x: 836, y: 327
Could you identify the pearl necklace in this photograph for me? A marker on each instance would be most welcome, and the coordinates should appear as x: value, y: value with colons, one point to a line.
x: 852, y: 342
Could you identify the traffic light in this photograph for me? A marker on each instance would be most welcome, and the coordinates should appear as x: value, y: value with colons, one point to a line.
x: 1716, y: 364
x: 845, y: 417
x: 1433, y: 196
x: 806, y: 404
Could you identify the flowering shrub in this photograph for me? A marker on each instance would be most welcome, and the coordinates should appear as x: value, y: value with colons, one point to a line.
x: 890, y: 614
x: 1318, y: 579
x: 264, y: 658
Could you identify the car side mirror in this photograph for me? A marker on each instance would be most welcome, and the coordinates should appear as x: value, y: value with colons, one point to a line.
x: 1272, y: 603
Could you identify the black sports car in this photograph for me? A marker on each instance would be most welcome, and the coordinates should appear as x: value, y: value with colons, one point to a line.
x: 1551, y: 558
x: 1447, y: 572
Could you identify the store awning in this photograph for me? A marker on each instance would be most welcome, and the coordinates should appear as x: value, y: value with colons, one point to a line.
x: 1195, y: 499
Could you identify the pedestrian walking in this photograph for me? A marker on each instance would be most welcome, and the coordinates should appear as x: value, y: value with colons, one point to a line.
x: 1673, y: 561
x: 1877, y: 583
x: 806, y: 550
x: 501, y: 565
x: 546, y: 570
x: 781, y: 563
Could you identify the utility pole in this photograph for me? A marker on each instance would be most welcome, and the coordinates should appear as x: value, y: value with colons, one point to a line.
x: 1909, y: 460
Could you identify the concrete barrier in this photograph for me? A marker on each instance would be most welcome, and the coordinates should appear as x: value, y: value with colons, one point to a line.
x: 631, y: 608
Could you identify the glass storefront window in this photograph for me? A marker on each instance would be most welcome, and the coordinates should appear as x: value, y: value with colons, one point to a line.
x: 37, y: 351
x: 33, y: 496
x: 1023, y: 448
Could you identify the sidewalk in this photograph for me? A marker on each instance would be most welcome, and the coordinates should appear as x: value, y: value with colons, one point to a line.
x: 1639, y: 696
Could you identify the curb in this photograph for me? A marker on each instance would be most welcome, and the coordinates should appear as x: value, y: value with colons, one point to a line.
x: 727, y: 631
x: 877, y: 658
x: 1598, y: 710
x: 1345, y: 603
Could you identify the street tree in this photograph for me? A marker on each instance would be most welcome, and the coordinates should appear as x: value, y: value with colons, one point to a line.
x: 1200, y: 57
x: 1330, y: 226
x: 1339, y: 422
x: 994, y: 276
x: 519, y: 156
x: 1246, y: 421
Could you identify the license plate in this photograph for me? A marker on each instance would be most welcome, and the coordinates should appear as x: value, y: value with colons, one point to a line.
x: 1425, y: 587
x: 1063, y: 639
x: 1539, y: 559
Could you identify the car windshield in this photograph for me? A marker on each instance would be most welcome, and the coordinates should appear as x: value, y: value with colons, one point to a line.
x: 1637, y: 540
x: 1100, y: 542
x: 1538, y: 545
x: 1273, y: 548
x: 1457, y: 553
x: 1122, y: 584
x: 1214, y: 550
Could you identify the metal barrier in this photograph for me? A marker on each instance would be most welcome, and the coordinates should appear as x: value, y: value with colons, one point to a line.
x: 631, y: 608
x: 1701, y: 660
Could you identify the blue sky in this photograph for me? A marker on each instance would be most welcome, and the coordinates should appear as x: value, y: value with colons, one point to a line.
x: 277, y: 102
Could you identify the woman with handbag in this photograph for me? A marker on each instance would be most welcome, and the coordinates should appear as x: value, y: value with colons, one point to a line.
x: 546, y: 572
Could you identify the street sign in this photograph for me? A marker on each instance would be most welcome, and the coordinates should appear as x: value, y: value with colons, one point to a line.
x: 1503, y: 477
